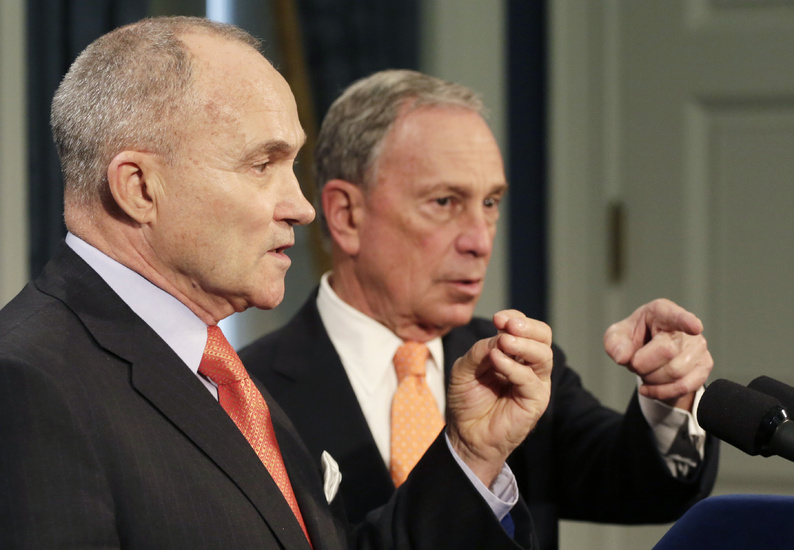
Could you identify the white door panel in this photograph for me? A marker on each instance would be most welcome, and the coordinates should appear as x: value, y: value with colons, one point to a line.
x: 683, y: 112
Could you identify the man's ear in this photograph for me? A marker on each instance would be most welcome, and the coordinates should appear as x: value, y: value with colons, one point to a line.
x: 343, y: 206
x: 134, y: 181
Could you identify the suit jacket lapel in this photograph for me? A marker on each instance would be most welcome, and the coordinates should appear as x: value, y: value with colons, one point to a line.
x: 308, y: 371
x: 306, y: 479
x: 166, y: 382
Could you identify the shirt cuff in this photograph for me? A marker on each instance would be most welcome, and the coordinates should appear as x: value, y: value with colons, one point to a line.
x: 501, y: 496
x: 674, y: 428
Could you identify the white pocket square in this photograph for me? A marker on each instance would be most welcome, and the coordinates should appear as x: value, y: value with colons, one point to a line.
x: 332, y: 477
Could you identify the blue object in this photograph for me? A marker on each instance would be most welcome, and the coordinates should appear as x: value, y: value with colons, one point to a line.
x: 509, y: 526
x: 734, y: 521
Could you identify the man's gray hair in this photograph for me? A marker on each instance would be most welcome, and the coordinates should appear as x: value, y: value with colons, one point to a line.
x: 353, y: 131
x: 130, y: 89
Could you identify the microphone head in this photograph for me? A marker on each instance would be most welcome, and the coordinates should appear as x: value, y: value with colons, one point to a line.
x: 780, y: 391
x: 736, y: 414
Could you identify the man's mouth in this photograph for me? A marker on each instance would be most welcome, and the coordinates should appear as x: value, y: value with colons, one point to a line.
x: 471, y: 287
x: 280, y: 251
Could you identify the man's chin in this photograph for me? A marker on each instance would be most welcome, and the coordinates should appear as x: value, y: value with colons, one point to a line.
x: 454, y: 316
x: 267, y: 300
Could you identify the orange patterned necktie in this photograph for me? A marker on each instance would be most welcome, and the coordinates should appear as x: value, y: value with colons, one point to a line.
x: 415, y: 418
x: 247, y: 408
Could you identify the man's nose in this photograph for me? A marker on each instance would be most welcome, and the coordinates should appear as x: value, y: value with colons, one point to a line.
x: 476, y: 237
x: 293, y: 207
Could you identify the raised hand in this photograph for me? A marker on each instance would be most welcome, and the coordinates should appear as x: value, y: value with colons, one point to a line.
x: 663, y: 344
x: 498, y: 391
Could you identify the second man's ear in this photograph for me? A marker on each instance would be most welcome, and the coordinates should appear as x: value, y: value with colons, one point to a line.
x: 343, y: 207
x: 135, y: 183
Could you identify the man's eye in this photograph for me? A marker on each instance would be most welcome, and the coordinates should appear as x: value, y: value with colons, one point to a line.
x: 490, y: 202
x: 443, y: 201
x: 261, y: 167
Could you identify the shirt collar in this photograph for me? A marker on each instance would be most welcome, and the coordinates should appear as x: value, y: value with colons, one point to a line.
x: 364, y: 345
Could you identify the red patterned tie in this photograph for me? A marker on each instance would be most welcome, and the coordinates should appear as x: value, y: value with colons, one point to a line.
x: 247, y: 408
x: 415, y: 418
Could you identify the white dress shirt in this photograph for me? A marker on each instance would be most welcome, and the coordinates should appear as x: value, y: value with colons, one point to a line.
x: 366, y: 349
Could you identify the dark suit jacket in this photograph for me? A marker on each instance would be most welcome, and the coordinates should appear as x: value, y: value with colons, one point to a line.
x: 107, y: 440
x: 582, y: 461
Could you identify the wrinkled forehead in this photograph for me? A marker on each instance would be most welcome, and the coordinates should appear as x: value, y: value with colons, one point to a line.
x: 429, y: 133
x: 441, y: 146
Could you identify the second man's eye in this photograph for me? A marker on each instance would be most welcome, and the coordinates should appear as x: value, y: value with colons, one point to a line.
x: 443, y: 201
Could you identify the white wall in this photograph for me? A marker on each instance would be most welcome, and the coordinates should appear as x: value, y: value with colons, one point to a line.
x: 13, y: 151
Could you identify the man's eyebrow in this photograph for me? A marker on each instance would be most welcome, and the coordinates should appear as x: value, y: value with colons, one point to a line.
x: 497, y: 188
x: 500, y: 187
x: 274, y: 147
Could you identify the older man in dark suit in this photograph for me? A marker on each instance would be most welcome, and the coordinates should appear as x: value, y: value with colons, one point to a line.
x: 126, y: 419
x: 410, y: 179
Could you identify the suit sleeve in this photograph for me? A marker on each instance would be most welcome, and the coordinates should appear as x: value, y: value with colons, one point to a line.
x: 606, y: 466
x: 437, y: 507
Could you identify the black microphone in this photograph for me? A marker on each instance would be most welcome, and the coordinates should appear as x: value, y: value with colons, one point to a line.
x: 749, y: 420
x: 780, y: 391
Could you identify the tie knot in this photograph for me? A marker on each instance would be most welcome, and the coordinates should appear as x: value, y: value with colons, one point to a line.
x: 410, y: 359
x: 220, y: 363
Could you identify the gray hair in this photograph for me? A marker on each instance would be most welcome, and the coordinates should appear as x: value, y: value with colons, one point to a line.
x: 353, y: 131
x: 129, y: 89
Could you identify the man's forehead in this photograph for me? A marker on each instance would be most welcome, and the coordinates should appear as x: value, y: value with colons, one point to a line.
x: 440, y: 128
x: 234, y: 81
x: 227, y: 63
x: 436, y: 148
x: 201, y: 41
x: 423, y: 132
x: 423, y: 114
